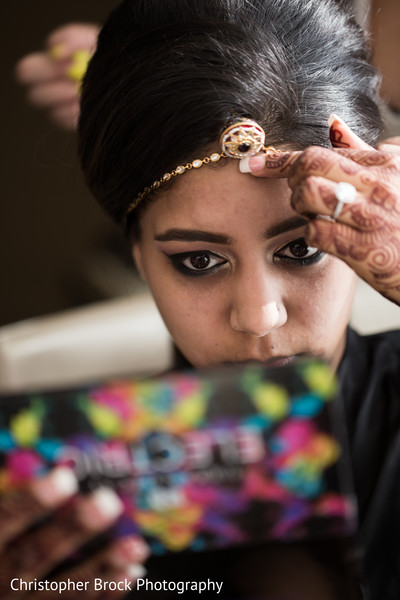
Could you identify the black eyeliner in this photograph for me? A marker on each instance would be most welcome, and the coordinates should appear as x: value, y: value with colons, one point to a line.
x: 177, y: 263
x: 302, y: 262
x: 299, y: 261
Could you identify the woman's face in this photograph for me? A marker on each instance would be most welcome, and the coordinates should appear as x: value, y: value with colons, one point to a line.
x: 225, y: 258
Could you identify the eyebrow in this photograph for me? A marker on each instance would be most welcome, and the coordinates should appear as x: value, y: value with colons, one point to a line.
x: 284, y: 226
x: 192, y: 235
x: 195, y: 235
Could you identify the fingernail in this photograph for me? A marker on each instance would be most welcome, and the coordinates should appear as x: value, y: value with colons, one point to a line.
x: 56, y: 487
x: 244, y: 165
x: 136, y: 571
x: 100, y: 508
x: 334, y: 118
x: 128, y: 550
x: 252, y: 164
x: 257, y: 163
x: 80, y: 61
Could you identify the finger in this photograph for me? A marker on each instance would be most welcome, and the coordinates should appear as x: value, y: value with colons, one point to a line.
x: 316, y: 196
x: 287, y: 164
x: 271, y: 165
x: 25, y: 506
x: 392, y: 141
x: 377, y: 263
x: 336, y: 239
x: 342, y: 136
x: 352, y: 166
x: 362, y: 251
x: 114, y: 569
x: 373, y: 158
x: 66, y: 115
x: 117, y: 569
x: 49, y: 94
x: 389, y: 147
x: 37, y: 68
x: 37, y: 552
x: 65, y: 40
x: 316, y: 160
x: 126, y: 551
x: 99, y: 584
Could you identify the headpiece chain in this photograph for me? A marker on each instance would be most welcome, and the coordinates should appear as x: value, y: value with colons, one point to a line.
x: 240, y: 139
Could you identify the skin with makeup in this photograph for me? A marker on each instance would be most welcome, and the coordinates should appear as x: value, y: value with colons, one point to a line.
x: 246, y: 262
x: 238, y: 281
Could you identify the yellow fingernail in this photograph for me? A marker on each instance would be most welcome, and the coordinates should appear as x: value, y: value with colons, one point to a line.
x: 80, y: 61
x: 56, y: 52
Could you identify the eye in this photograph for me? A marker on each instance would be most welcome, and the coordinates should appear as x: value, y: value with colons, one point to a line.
x: 299, y: 252
x: 197, y: 263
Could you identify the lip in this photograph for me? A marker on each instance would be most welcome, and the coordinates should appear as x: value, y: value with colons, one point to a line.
x: 275, y: 361
x: 281, y: 361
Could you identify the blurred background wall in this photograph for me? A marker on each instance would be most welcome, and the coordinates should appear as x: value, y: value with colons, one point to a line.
x: 56, y: 247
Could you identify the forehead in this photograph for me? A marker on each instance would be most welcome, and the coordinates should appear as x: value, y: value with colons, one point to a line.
x: 219, y: 199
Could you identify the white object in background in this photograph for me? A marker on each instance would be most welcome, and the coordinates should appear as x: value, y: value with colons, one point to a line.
x: 121, y: 337
x: 372, y: 312
x: 117, y: 337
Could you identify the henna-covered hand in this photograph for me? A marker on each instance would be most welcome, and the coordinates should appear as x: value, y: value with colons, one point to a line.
x: 47, y: 520
x: 366, y: 235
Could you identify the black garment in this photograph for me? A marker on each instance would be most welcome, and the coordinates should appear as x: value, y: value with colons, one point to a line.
x: 369, y: 376
x: 368, y: 406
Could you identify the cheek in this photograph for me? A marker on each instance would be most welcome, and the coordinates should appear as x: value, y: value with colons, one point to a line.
x: 195, y: 320
x: 185, y: 310
x: 192, y: 333
x: 326, y: 305
x: 337, y: 291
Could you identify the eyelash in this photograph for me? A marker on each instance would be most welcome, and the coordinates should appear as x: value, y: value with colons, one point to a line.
x: 178, y: 259
x: 304, y: 261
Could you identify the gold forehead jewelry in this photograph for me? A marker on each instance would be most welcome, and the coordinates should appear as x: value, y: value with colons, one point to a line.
x: 242, y: 138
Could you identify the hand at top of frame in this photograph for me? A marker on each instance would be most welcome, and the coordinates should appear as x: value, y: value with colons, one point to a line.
x: 52, y: 76
x: 364, y: 233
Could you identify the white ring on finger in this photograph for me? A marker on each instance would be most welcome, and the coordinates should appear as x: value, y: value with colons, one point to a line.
x: 345, y: 193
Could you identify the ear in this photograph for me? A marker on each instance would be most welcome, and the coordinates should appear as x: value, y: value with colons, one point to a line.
x: 137, y: 257
x: 342, y: 136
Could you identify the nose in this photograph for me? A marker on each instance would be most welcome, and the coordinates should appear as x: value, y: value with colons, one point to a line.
x: 257, y: 306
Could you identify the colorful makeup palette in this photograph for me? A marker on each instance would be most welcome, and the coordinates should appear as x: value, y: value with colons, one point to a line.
x: 200, y: 460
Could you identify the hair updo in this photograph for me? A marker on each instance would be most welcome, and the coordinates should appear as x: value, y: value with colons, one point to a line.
x: 168, y: 74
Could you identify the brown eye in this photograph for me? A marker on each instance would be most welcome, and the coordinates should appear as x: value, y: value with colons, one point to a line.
x: 200, y: 261
x: 299, y: 248
x: 298, y: 252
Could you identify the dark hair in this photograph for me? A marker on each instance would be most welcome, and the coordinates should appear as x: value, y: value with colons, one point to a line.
x: 168, y: 74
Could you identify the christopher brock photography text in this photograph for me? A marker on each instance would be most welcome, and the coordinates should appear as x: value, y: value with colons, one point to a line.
x: 69, y: 585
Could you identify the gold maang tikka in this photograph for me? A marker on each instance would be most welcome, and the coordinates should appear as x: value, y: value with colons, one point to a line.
x: 242, y: 138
